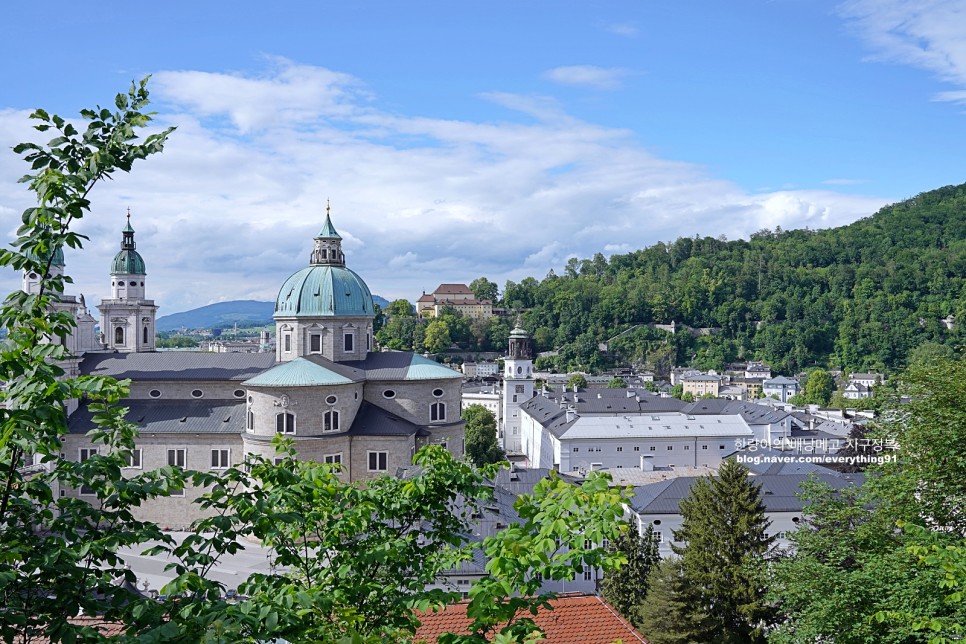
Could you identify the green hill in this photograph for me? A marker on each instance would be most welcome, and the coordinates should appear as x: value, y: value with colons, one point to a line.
x: 246, y: 313
x: 862, y: 296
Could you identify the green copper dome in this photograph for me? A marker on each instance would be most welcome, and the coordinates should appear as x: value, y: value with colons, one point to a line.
x: 324, y: 291
x: 128, y: 260
x: 58, y: 259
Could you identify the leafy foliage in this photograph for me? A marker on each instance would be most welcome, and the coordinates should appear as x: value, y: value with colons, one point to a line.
x: 58, y: 556
x: 356, y: 561
x: 626, y: 588
x: 480, y: 441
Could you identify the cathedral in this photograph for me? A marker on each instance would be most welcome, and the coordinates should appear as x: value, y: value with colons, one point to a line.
x: 325, y: 387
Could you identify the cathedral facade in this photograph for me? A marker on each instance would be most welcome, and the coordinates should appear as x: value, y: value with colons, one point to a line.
x: 326, y: 387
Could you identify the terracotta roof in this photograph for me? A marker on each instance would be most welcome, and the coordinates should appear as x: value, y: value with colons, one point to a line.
x: 453, y: 288
x: 102, y: 626
x: 586, y: 619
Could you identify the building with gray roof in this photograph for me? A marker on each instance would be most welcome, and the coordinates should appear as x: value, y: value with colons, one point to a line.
x: 325, y: 388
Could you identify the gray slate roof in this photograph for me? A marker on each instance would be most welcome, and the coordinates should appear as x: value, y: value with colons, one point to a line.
x: 173, y: 417
x: 177, y: 365
x: 374, y: 421
x: 752, y: 413
x: 779, y: 492
x: 402, y: 365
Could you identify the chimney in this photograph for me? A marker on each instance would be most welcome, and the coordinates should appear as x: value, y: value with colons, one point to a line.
x: 630, y: 394
x: 598, y: 396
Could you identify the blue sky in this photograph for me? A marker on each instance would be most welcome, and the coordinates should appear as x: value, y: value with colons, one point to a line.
x: 459, y: 139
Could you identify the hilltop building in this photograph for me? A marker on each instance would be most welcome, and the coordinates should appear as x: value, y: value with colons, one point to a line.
x: 457, y: 296
x: 324, y: 387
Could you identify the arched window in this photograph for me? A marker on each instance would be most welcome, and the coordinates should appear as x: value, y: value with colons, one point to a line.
x: 285, y: 423
x: 119, y: 335
x: 437, y: 411
x: 145, y: 340
x: 330, y: 421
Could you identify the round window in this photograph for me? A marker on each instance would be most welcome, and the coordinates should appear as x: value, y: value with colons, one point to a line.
x: 389, y: 393
x: 437, y: 392
x: 155, y: 393
x: 134, y: 283
x: 33, y: 276
x: 251, y: 399
x: 519, y: 369
x: 657, y: 522
x: 197, y: 393
x: 239, y: 393
x: 330, y: 400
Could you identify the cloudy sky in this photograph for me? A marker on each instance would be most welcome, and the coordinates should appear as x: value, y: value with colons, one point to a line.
x: 497, y: 138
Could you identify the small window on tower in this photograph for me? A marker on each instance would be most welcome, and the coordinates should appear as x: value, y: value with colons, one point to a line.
x: 315, y: 343
x: 119, y: 335
x: 349, y: 338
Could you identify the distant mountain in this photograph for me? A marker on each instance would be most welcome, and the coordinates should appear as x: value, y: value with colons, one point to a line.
x: 225, y: 314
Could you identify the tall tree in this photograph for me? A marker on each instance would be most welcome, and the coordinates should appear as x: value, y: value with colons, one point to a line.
x: 724, y: 532
x: 436, y: 338
x: 59, y: 552
x: 627, y: 587
x: 480, y: 440
x: 670, y: 614
x: 484, y: 289
x: 819, y: 387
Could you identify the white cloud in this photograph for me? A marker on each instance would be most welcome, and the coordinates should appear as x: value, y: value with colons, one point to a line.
x: 587, y: 76
x: 228, y: 212
x: 928, y: 34
x: 844, y: 182
x: 623, y: 29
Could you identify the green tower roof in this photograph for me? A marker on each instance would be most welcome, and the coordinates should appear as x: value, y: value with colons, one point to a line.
x: 128, y: 260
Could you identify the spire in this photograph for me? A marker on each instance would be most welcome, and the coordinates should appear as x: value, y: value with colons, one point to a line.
x: 128, y: 260
x: 328, y: 244
x: 127, y: 238
x: 328, y: 230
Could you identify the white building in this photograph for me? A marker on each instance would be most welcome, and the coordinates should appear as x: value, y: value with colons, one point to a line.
x: 780, y: 388
x: 491, y: 398
x: 657, y: 504
x: 517, y: 386
x: 556, y: 435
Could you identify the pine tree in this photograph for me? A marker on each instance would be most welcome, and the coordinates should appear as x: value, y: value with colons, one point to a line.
x: 724, y: 531
x: 626, y: 587
x: 669, y: 613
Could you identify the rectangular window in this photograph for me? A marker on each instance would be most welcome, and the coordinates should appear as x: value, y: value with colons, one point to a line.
x: 278, y: 460
x: 653, y: 448
x: 720, y: 446
x: 288, y: 342
x: 378, y: 461
x: 348, y: 341
x: 176, y: 457
x: 637, y: 448
x: 220, y: 459
x: 519, y: 389
x: 687, y: 448
x: 333, y: 458
x: 514, y: 397
x: 588, y: 544
x: 84, y: 454
x: 134, y: 459
x: 704, y: 447
x: 620, y: 449
x: 576, y: 449
x: 670, y: 448
x: 659, y: 536
x: 588, y: 573
x: 315, y: 343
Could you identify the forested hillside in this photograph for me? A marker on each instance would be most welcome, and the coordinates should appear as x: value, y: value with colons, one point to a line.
x: 860, y: 297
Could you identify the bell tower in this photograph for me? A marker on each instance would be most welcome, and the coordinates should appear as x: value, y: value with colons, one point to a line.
x: 127, y: 318
x: 517, y: 386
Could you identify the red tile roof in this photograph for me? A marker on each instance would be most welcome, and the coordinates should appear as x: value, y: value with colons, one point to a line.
x: 453, y: 288
x: 575, y: 619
